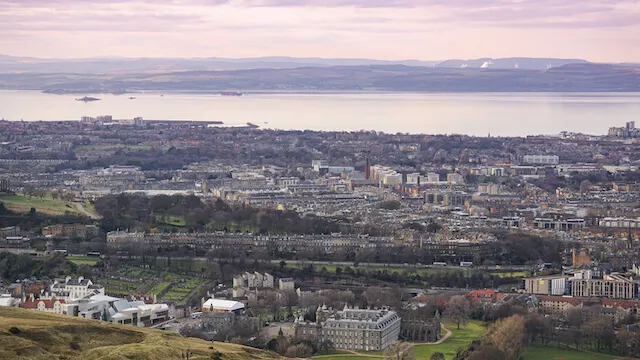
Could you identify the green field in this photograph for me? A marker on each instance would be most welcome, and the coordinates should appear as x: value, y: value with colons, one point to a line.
x: 458, y: 339
x: 111, y: 147
x: 83, y: 260
x: 554, y: 353
x: 171, y: 220
x: 46, y: 205
x: 410, y: 270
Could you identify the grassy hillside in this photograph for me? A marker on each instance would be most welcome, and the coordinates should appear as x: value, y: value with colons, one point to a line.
x: 37, y: 335
x: 47, y: 205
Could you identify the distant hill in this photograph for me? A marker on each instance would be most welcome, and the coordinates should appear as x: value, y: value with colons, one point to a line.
x: 112, y: 65
x: 28, y: 334
x: 510, y: 63
x: 579, y: 77
x: 136, y: 65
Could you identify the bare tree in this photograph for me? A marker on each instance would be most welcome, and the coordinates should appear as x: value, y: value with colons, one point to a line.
x: 289, y: 299
x: 458, y: 310
x: 299, y: 351
x: 508, y: 336
x: 399, y: 351
x: 574, y: 318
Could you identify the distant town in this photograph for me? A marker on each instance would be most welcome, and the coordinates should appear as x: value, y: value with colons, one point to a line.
x: 309, y: 243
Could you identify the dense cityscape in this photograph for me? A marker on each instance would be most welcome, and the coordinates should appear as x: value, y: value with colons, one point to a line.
x: 310, y: 243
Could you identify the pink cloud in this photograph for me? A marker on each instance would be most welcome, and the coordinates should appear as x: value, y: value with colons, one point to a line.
x: 426, y: 29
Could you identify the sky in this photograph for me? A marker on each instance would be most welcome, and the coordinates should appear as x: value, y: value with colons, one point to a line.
x: 596, y: 30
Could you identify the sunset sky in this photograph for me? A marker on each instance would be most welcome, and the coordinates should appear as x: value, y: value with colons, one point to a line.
x: 597, y: 30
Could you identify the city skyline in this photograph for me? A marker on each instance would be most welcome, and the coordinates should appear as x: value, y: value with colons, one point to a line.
x: 600, y: 31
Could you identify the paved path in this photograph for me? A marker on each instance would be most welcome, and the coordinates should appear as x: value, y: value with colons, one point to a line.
x: 81, y: 208
x: 351, y: 353
x: 445, y: 337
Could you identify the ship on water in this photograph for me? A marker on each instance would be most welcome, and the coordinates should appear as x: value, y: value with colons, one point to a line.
x: 231, y: 93
x: 87, y: 99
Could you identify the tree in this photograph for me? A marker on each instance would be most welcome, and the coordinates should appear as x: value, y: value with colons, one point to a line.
x: 538, y: 326
x: 508, y: 335
x: 325, y: 346
x: 600, y: 333
x: 458, y: 310
x: 585, y: 185
x: 574, y: 317
x: 399, y: 351
x: 299, y: 351
x: 390, y: 205
x: 437, y: 356
x: 434, y: 227
x: 289, y: 299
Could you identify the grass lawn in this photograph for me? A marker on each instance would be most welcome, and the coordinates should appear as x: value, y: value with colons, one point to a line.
x: 511, y: 274
x: 551, y: 352
x: 159, y: 288
x: 171, y: 220
x: 83, y: 260
x: 377, y: 353
x: 410, y: 270
x: 333, y: 352
x: 458, y: 339
x: 46, y: 205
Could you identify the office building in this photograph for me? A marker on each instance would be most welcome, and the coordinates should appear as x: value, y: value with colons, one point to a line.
x: 614, y: 286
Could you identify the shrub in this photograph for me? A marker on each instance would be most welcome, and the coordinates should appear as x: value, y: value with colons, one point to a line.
x: 75, y: 342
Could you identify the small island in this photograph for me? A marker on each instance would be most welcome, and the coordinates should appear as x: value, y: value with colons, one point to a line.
x: 87, y: 99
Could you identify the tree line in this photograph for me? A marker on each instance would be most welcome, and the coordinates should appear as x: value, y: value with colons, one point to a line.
x: 142, y: 213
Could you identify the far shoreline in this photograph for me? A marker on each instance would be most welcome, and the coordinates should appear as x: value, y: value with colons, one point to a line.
x: 249, y: 92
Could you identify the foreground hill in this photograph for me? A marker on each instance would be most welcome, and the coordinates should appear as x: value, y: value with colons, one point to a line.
x: 34, y: 335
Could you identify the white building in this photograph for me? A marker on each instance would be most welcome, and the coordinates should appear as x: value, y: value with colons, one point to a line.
x: 290, y: 181
x: 413, y: 178
x: 107, y: 308
x: 392, y: 179
x: 319, y: 164
x: 219, y: 305
x: 541, y: 159
x: 611, y: 222
x: 138, y: 313
x: 72, y: 289
x: 8, y: 301
x: 253, y: 280
x: 433, y: 178
x: 55, y: 306
x: 455, y: 179
x: 286, y: 284
x: 491, y: 189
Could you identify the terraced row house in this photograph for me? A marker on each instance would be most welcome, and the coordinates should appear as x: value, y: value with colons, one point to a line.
x: 248, y: 241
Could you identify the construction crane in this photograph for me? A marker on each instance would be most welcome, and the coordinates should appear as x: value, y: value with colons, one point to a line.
x: 455, y: 170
